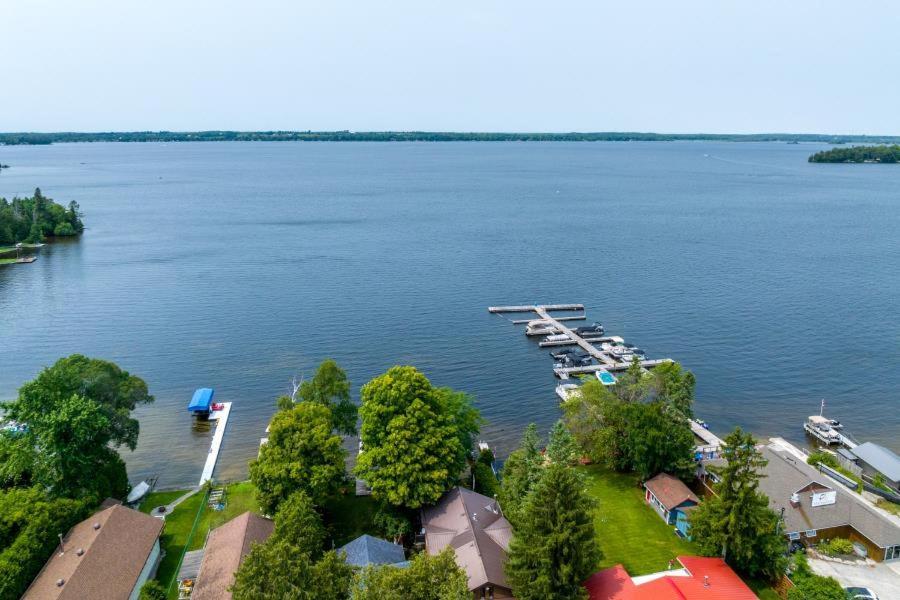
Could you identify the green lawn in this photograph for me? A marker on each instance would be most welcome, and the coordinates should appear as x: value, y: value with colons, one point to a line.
x: 630, y: 532
x: 154, y: 499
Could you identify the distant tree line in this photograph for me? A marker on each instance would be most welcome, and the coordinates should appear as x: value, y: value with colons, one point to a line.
x: 858, y: 154
x: 422, y: 136
x: 33, y: 219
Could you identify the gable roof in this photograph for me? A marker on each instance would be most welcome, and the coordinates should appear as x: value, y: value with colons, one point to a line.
x: 880, y: 458
x: 688, y: 584
x: 368, y: 550
x: 116, y: 543
x: 785, y: 474
x: 670, y: 491
x: 225, y: 550
x: 474, y: 527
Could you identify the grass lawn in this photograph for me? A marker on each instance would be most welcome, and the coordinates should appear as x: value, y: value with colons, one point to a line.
x: 628, y: 531
x: 154, y: 499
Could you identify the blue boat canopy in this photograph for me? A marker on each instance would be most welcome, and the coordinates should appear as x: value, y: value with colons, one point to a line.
x: 201, y: 400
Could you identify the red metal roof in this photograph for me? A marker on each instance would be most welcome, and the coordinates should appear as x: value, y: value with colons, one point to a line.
x: 723, y: 583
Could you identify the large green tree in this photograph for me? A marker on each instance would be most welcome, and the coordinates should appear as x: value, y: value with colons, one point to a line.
x: 329, y: 387
x: 412, y: 437
x: 298, y: 523
x: 521, y: 472
x: 562, y: 447
x: 553, y: 549
x: 809, y: 586
x: 302, y: 454
x: 656, y: 440
x: 426, y: 578
x: 737, y: 523
x: 279, y: 569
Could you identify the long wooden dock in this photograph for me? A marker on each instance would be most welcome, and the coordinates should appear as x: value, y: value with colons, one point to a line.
x: 533, y: 308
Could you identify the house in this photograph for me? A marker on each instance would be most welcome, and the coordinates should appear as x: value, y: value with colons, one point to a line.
x: 699, y: 578
x: 226, y: 548
x: 871, y: 460
x: 672, y: 500
x: 814, y: 508
x: 367, y: 550
x: 108, y: 556
x: 479, y: 534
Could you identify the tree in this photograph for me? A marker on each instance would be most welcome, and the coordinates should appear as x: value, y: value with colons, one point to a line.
x: 466, y: 418
x: 484, y: 480
x: 152, y: 590
x: 562, y: 447
x: 301, y: 454
x: 521, y: 472
x: 117, y: 392
x: 278, y: 569
x: 392, y: 522
x: 809, y: 586
x: 553, y: 549
x: 329, y: 387
x: 426, y: 578
x: 411, y: 438
x: 737, y: 523
x: 656, y: 441
x: 675, y: 387
x: 298, y: 523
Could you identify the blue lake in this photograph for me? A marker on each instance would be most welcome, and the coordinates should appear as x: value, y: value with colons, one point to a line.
x: 240, y: 265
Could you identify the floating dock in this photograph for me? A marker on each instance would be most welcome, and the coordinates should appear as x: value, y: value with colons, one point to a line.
x: 221, y: 419
x: 605, y: 360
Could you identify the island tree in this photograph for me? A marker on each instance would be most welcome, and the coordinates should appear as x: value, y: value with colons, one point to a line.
x: 553, y: 549
x: 32, y: 219
x: 426, y: 578
x: 302, y: 454
x: 737, y: 523
x: 412, y: 437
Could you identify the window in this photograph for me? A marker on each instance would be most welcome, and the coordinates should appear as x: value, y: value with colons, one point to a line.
x: 794, y: 536
x: 810, y: 533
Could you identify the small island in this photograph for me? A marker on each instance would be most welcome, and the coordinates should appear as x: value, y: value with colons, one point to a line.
x: 859, y: 154
x: 28, y: 222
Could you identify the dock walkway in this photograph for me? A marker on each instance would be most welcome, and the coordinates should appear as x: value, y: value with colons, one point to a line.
x: 221, y: 418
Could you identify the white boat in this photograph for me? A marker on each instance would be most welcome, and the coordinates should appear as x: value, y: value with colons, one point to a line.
x: 820, y: 428
x: 566, y: 391
x: 540, y: 327
x: 560, y: 337
x: 605, y: 377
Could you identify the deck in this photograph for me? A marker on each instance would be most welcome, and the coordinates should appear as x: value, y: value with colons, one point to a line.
x: 221, y: 418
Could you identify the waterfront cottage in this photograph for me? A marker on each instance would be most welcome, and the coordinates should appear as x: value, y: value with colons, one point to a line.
x: 108, y: 556
x: 367, y: 550
x: 814, y: 508
x: 672, y: 500
x: 479, y: 534
x: 225, y: 551
x: 697, y: 579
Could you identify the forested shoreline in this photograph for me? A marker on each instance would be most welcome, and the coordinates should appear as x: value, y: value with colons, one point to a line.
x: 39, y: 138
x: 859, y: 154
x: 32, y: 220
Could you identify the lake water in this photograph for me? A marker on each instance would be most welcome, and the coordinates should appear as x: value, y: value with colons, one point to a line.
x: 239, y: 265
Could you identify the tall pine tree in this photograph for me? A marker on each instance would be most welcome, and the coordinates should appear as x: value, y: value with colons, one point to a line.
x: 737, y: 523
x: 553, y: 549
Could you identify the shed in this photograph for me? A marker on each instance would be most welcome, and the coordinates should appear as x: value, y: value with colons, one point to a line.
x: 875, y: 460
x: 201, y: 401
x: 671, y: 499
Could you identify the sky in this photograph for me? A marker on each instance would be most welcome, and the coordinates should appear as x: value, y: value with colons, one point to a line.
x: 717, y: 66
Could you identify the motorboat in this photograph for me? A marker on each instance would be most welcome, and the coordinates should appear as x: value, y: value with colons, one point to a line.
x: 605, y: 377
x: 820, y: 428
x: 559, y: 337
x: 595, y: 329
x: 571, y: 353
x: 566, y: 391
x: 540, y: 327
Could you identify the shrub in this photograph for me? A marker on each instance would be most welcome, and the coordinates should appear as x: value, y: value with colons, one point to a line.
x: 64, y: 229
x: 836, y: 546
x: 152, y: 590
x: 826, y: 458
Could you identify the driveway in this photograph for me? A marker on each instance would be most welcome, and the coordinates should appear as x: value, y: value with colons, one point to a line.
x: 881, y: 578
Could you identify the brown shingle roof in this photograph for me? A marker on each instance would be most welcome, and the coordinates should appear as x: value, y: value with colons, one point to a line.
x: 114, y: 554
x: 670, y: 490
x: 472, y: 525
x: 225, y: 549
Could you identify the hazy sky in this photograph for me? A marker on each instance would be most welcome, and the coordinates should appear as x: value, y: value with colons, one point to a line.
x: 463, y: 65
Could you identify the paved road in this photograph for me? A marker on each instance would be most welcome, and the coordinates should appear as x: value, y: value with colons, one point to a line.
x: 881, y: 578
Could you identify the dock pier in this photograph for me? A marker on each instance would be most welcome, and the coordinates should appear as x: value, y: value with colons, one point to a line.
x: 221, y: 418
x: 605, y: 360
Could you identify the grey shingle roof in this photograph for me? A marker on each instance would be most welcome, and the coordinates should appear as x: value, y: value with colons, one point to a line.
x: 880, y: 458
x: 368, y: 550
x: 786, y: 474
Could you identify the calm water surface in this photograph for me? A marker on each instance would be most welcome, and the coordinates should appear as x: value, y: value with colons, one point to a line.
x: 240, y: 265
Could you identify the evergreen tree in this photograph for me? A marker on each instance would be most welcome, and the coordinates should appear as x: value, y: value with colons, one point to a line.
x: 521, y: 472
x: 279, y: 569
x: 562, y: 447
x: 426, y: 578
x: 737, y: 523
x: 553, y: 549
x: 298, y: 523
